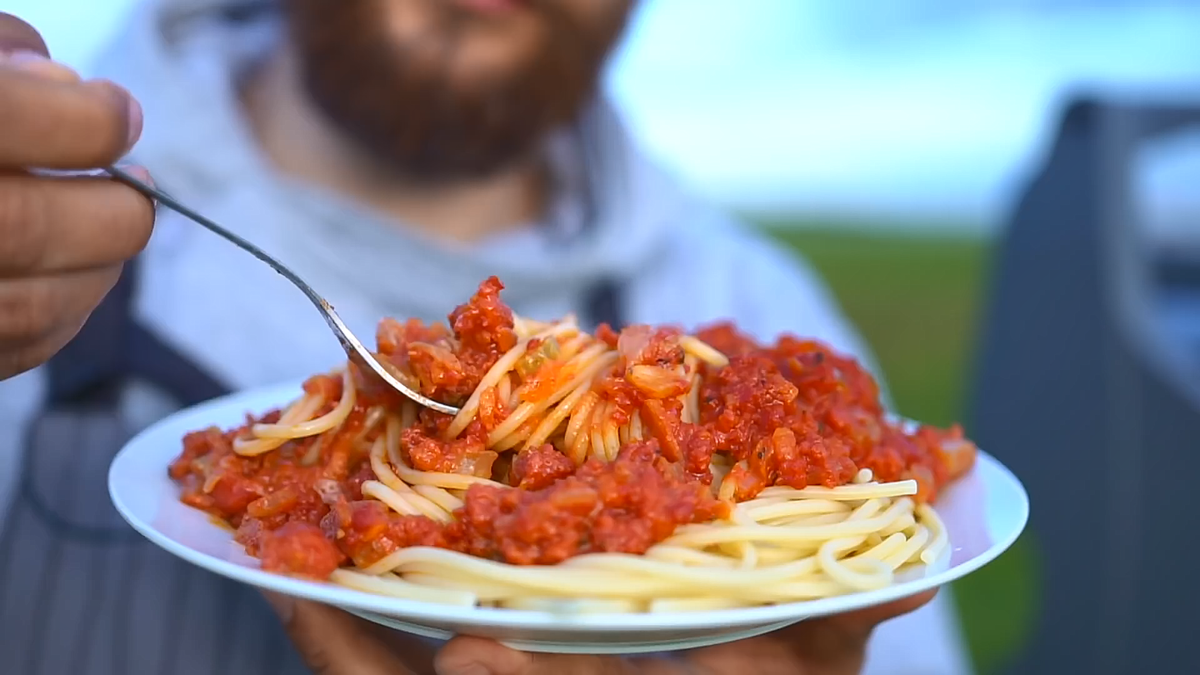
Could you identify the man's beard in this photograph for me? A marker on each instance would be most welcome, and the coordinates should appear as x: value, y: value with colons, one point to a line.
x: 402, y: 108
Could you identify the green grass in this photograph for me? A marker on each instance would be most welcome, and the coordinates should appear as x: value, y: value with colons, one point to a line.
x: 916, y: 300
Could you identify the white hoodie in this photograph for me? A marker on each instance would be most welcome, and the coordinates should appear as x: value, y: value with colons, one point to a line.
x: 680, y: 261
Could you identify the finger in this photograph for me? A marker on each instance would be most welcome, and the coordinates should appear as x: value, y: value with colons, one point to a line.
x: 56, y: 125
x: 416, y: 652
x: 332, y: 642
x: 478, y: 656
x: 865, y: 620
x: 39, y: 316
x: 848, y: 633
x: 14, y: 361
x: 829, y: 644
x: 35, y: 308
x: 56, y: 224
x: 16, y: 35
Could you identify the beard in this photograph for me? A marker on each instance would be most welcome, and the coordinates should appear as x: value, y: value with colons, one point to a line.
x: 407, y: 102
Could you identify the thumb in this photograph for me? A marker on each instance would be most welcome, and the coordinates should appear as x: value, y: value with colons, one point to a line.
x: 332, y: 642
x: 478, y: 656
x: 17, y: 35
x: 865, y: 620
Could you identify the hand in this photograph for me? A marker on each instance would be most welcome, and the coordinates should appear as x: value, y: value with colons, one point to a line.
x: 62, y: 239
x: 335, y: 643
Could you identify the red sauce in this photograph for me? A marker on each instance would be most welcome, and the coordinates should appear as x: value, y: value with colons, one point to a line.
x: 426, y: 451
x: 301, y: 549
x: 441, y: 370
x: 794, y: 413
x: 626, y: 506
x: 831, y: 406
x: 539, y: 468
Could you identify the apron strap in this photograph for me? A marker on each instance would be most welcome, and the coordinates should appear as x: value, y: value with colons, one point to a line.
x: 91, y: 366
x: 605, y: 303
x: 113, y: 347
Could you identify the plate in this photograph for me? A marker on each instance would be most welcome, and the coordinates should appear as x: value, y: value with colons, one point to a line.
x: 984, y: 512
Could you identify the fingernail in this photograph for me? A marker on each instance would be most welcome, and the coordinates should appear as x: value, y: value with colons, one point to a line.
x: 24, y: 58
x: 135, y: 119
x: 123, y: 102
x: 139, y: 172
x: 39, y: 65
x: 142, y: 174
x: 283, y: 605
x: 133, y: 109
x: 16, y: 34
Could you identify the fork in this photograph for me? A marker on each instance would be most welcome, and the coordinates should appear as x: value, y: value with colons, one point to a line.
x: 354, y: 348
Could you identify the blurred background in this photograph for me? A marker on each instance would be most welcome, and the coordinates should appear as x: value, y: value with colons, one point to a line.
x: 888, y: 140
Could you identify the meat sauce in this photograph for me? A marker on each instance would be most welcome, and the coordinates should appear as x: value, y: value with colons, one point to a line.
x: 794, y: 414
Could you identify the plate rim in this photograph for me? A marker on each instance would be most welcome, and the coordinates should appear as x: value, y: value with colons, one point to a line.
x: 483, y: 617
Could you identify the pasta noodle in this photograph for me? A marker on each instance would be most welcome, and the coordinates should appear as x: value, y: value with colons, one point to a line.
x: 641, y: 471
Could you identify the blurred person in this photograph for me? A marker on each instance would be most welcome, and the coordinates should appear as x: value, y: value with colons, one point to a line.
x: 394, y: 154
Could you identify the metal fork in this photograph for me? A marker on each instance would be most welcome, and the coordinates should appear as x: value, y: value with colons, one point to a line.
x: 354, y: 348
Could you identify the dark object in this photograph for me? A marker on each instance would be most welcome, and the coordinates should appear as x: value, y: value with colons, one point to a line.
x: 1095, y: 405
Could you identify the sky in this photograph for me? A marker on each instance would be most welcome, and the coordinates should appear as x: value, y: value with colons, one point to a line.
x: 927, y: 110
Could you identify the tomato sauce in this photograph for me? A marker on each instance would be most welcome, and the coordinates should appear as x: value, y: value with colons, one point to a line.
x: 794, y: 413
x: 440, y: 369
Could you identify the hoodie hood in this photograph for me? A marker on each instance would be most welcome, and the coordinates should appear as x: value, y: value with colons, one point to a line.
x: 183, y: 59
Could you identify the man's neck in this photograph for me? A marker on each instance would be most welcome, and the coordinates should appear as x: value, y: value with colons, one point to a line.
x: 301, y: 144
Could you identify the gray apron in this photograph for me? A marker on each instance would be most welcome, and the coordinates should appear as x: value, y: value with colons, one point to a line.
x: 81, y: 593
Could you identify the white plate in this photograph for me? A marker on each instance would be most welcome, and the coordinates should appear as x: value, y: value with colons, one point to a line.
x: 984, y: 512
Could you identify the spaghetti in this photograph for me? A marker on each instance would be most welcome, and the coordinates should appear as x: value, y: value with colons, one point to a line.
x: 640, y: 471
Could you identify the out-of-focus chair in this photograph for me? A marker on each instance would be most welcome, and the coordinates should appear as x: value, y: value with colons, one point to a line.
x: 1095, y: 404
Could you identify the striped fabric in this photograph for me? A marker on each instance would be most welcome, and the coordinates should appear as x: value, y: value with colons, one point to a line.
x: 83, y: 594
